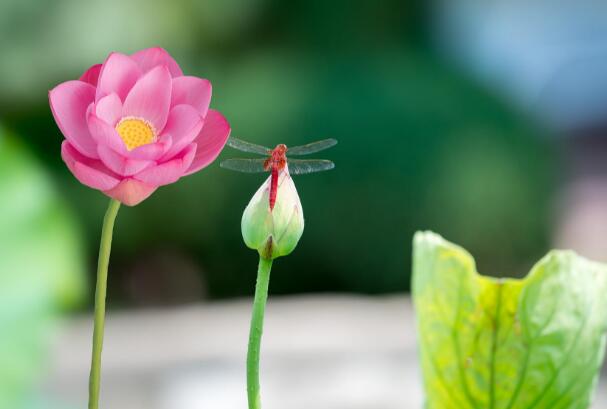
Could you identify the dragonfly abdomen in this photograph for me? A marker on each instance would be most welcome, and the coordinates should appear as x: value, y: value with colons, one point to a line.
x: 273, y: 187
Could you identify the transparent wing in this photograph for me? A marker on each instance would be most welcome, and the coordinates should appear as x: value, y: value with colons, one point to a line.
x: 302, y: 167
x: 244, y: 165
x: 312, y: 147
x: 247, y: 146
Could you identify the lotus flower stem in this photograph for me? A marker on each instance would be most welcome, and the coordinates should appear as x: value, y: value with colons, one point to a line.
x: 259, y: 306
x: 100, y: 291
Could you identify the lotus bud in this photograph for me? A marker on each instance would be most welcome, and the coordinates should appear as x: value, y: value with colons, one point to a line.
x: 274, y: 232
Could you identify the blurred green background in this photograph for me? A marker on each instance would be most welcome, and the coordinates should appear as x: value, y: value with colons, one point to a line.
x: 482, y: 121
x: 422, y: 144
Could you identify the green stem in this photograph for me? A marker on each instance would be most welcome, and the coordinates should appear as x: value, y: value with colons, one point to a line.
x: 259, y: 306
x: 102, y: 265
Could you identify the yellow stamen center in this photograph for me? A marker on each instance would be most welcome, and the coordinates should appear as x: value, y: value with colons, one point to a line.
x: 135, y: 132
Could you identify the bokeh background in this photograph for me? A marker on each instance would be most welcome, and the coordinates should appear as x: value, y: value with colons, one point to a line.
x: 480, y: 120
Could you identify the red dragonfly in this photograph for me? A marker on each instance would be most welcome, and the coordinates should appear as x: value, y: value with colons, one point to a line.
x: 276, y: 160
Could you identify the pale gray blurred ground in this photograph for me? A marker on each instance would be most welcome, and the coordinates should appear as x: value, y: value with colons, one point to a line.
x: 321, y: 352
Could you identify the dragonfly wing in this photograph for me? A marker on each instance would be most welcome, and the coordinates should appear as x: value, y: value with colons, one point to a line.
x: 312, y: 147
x: 244, y: 165
x: 302, y: 167
x: 247, y: 146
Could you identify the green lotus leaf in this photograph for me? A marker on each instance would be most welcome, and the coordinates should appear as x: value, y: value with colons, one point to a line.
x: 488, y: 343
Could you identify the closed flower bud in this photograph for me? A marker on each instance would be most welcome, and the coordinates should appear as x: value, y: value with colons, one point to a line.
x: 274, y: 232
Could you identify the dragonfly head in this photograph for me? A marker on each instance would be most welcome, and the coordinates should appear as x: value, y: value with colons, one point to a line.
x: 280, y: 150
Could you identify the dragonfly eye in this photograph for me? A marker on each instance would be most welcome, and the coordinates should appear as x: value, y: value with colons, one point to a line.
x: 281, y: 148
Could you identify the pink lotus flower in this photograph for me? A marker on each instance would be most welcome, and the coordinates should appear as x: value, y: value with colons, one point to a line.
x: 135, y: 123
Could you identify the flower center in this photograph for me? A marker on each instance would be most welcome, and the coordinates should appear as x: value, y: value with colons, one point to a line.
x: 135, y: 132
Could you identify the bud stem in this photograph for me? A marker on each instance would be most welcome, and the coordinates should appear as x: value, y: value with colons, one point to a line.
x: 259, y: 306
x: 102, y: 267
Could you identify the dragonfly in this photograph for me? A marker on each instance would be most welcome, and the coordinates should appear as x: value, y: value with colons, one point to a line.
x: 276, y: 160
